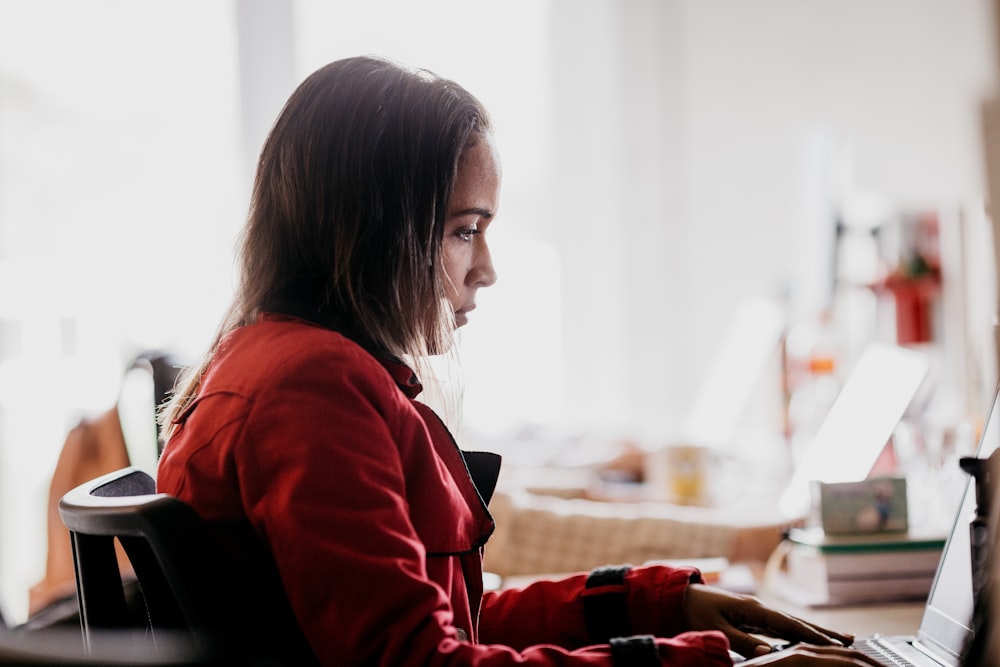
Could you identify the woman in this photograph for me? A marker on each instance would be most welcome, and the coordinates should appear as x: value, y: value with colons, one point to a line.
x: 364, y: 249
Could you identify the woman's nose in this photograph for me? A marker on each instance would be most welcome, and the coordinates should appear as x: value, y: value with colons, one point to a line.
x: 483, y: 273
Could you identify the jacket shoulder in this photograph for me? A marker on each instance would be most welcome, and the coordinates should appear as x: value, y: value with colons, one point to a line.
x: 254, y: 354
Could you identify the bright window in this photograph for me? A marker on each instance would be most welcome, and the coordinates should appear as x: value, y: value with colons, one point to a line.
x: 120, y: 196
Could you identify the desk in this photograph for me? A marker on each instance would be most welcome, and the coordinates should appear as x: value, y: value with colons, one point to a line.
x: 901, y: 618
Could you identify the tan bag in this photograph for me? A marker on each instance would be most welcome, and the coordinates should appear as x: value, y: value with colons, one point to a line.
x: 92, y: 448
x: 95, y: 447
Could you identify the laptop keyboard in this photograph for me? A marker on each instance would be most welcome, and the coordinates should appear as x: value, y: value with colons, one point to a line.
x: 881, y: 653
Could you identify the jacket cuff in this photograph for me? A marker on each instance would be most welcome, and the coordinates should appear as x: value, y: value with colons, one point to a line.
x: 635, y: 651
x: 656, y: 598
x: 606, y: 604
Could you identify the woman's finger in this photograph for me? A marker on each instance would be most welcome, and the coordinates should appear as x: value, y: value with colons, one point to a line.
x: 748, y: 645
x: 773, y: 623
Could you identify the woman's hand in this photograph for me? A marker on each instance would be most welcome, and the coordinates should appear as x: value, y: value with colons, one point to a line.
x: 737, y: 616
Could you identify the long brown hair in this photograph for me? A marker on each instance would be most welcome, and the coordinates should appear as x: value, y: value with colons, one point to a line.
x: 348, y: 208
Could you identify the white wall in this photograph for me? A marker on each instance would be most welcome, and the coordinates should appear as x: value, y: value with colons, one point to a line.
x: 683, y: 134
x: 120, y: 196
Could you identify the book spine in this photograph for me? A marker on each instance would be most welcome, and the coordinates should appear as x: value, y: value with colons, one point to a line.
x: 887, y: 590
x: 872, y: 564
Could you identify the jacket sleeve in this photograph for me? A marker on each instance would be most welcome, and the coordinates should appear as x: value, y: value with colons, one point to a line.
x: 323, y: 481
x: 572, y: 612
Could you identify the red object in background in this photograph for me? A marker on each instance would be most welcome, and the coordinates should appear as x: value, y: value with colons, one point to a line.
x: 915, y: 298
x: 916, y: 282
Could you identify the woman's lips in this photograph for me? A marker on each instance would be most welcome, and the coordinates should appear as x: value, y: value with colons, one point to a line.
x: 462, y: 315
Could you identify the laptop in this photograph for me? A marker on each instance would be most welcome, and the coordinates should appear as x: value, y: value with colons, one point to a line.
x: 946, y: 625
x: 860, y: 422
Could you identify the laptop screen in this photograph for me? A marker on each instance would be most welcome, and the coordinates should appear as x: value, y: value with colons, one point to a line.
x: 946, y: 624
x: 859, y: 423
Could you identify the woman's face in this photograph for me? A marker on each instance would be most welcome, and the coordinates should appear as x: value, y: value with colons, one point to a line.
x: 474, y: 200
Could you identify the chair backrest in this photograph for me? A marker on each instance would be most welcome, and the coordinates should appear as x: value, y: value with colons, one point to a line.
x: 212, y: 582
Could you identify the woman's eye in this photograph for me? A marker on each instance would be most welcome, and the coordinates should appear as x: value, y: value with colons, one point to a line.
x: 466, y: 233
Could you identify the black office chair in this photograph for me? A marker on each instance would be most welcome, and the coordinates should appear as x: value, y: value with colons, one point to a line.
x: 213, y: 583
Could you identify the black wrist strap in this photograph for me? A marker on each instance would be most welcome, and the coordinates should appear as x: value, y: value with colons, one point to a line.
x: 635, y: 651
x: 605, y: 605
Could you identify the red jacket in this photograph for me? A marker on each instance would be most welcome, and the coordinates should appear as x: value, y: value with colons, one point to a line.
x: 374, y: 522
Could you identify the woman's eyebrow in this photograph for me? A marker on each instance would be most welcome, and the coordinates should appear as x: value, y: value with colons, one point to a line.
x: 473, y: 210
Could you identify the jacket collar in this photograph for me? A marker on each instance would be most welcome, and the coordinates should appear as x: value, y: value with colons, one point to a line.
x: 404, y: 376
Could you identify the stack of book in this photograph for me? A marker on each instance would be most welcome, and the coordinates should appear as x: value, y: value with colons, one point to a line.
x: 819, y: 570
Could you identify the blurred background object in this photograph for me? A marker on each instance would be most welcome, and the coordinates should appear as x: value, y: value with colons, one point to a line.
x: 666, y: 163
